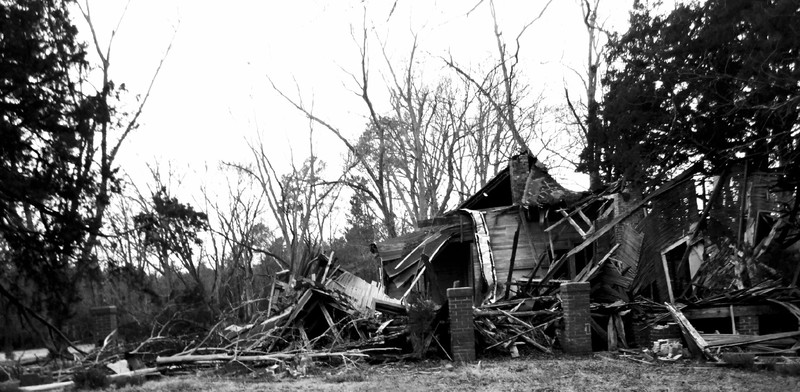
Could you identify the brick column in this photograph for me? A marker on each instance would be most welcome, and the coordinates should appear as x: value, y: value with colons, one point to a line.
x: 576, y: 338
x: 747, y: 325
x: 462, y: 331
x: 104, y: 320
x: 519, y: 170
x: 641, y: 334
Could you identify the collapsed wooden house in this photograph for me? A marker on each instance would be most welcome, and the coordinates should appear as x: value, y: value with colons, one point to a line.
x: 499, y: 241
x: 694, y: 237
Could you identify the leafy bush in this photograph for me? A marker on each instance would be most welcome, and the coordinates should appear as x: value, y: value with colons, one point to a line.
x: 421, y: 314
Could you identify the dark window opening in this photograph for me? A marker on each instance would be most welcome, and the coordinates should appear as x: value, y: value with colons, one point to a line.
x: 763, y: 226
x: 451, y: 265
x: 678, y: 278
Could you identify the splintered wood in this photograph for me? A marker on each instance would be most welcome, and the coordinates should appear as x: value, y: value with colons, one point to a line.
x: 507, y: 325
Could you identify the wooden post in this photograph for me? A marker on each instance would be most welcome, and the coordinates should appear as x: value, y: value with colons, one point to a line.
x: 667, y: 279
x: 271, y: 294
x: 511, y: 262
x: 742, y: 206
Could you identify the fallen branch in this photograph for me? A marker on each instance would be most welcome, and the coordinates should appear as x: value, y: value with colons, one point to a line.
x: 71, y: 384
x: 278, y: 357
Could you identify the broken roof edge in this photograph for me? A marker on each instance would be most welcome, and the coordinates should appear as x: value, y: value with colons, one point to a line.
x: 484, y: 191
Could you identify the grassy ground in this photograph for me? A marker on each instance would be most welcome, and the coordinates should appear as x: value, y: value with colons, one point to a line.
x: 562, y: 374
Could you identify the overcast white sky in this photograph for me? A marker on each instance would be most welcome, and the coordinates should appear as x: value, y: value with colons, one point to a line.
x: 213, y: 92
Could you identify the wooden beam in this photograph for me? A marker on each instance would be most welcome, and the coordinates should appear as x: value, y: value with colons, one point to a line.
x: 573, y: 223
x: 747, y: 339
x: 524, y: 313
x: 329, y: 320
x: 725, y: 311
x: 697, y: 345
x: 276, y: 357
x: 667, y: 279
x: 592, y: 269
x: 511, y: 262
x: 536, y: 269
x: 742, y: 205
x: 571, y: 268
x: 577, y: 210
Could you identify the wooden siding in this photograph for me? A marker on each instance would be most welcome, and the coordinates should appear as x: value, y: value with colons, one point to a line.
x: 533, y: 242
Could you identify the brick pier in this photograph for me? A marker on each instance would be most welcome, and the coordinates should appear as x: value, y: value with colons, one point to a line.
x: 462, y: 331
x: 747, y: 325
x: 576, y: 338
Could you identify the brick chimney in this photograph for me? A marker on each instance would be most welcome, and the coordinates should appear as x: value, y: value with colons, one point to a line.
x: 519, y: 168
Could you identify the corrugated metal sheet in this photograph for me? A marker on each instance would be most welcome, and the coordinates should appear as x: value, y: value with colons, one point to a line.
x: 406, y: 267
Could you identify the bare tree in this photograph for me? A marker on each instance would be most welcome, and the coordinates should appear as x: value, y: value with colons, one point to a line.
x: 299, y: 201
x: 238, y: 242
x: 108, y: 147
x: 585, y: 113
x: 376, y: 181
x: 506, y: 105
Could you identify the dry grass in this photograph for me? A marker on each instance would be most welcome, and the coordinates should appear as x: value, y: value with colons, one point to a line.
x: 562, y: 374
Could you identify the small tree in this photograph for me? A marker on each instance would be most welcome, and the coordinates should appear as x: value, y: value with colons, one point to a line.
x: 170, y: 229
x: 353, y: 248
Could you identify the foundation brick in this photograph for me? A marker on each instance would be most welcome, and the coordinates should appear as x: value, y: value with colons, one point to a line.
x: 576, y: 336
x: 462, y: 332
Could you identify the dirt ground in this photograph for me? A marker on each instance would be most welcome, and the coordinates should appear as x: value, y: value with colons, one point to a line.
x: 598, y: 373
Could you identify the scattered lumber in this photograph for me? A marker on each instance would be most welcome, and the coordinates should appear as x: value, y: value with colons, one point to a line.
x: 507, y: 326
x: 742, y: 340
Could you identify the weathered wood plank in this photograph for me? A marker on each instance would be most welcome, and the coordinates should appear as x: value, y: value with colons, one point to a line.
x: 724, y: 311
x: 697, y: 345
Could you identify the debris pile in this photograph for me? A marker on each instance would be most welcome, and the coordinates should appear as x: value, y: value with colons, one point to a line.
x: 328, y: 313
x: 702, y: 337
x: 324, y: 315
x: 531, y: 322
